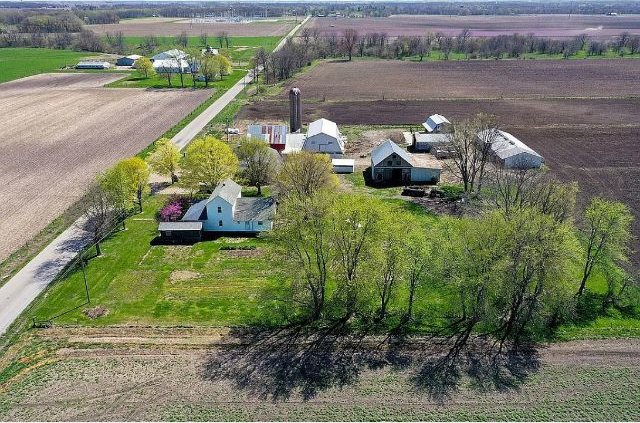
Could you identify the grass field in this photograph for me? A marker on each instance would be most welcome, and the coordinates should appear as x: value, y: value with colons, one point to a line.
x: 137, y: 80
x: 20, y: 62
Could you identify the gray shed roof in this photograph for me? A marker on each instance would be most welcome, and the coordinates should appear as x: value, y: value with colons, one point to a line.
x: 228, y: 190
x: 180, y: 226
x: 505, y: 145
x: 254, y: 208
x: 385, y: 149
x: 323, y: 126
x: 433, y: 121
x: 195, y: 211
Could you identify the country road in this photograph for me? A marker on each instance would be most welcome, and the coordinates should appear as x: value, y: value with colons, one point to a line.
x: 26, y: 285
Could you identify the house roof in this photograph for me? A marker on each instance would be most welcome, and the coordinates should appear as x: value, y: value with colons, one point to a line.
x: 180, y: 226
x: 228, y: 190
x: 432, y: 138
x: 294, y: 143
x: 384, y: 150
x: 433, y: 121
x: 93, y: 63
x: 505, y: 145
x: 343, y: 162
x: 170, y: 54
x: 132, y: 56
x: 163, y: 64
x: 195, y: 211
x: 254, y: 209
x: 323, y: 126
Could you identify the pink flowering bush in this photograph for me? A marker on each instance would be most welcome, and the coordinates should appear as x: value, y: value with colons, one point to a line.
x: 171, y: 212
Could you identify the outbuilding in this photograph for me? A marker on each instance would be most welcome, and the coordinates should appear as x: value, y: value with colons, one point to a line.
x: 180, y: 231
x: 164, y: 66
x: 169, y: 54
x: 509, y: 151
x: 128, y: 60
x: 436, y: 123
x: 343, y: 165
x: 323, y: 136
x: 391, y: 164
x: 93, y: 64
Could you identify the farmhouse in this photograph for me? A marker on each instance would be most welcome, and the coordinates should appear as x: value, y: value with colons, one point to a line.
x: 224, y: 211
x: 436, y: 123
x: 169, y: 54
x: 93, y: 64
x: 510, y: 152
x: 323, y: 136
x: 392, y: 164
x: 128, y: 60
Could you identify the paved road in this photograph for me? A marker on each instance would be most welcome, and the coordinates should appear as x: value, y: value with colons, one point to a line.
x: 25, y: 286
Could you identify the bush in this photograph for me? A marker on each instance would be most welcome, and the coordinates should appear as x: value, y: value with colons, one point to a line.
x: 174, y: 209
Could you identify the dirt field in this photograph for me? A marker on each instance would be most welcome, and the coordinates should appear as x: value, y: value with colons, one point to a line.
x: 580, y: 115
x: 174, y: 27
x: 59, y: 130
x: 209, y: 374
x: 552, y: 26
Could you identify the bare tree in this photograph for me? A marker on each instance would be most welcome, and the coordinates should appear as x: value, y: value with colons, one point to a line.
x: 182, y: 39
x: 204, y: 37
x: 349, y: 41
x: 100, y: 214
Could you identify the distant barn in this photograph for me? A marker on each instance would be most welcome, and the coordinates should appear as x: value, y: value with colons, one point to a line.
x: 128, y: 60
x: 93, y: 64
x: 510, y: 152
x: 392, y: 164
x: 436, y: 124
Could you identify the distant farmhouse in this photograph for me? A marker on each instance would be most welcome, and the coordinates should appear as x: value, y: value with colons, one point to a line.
x: 392, y: 164
x: 225, y: 211
x: 512, y: 153
x: 128, y: 60
x: 93, y: 64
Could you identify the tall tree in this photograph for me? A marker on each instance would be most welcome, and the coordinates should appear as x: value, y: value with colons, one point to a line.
x: 145, y: 66
x: 258, y: 162
x: 100, y: 214
x: 207, y: 162
x: 304, y: 173
x: 608, y: 232
x: 349, y: 41
x: 165, y: 159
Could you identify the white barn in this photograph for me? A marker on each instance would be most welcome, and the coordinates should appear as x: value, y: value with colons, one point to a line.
x: 510, y: 152
x: 323, y: 136
x: 227, y: 211
x: 171, y: 66
x: 436, y: 123
x: 93, y: 64
x: 392, y: 164
x: 169, y: 54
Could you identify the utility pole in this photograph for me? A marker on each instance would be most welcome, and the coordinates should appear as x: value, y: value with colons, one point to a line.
x: 84, y: 276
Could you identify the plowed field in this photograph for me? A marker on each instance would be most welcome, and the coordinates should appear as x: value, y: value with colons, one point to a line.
x: 59, y: 130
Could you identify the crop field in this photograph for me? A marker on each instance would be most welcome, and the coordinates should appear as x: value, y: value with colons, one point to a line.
x: 580, y: 115
x: 221, y: 374
x: 550, y: 26
x: 174, y: 27
x: 59, y: 130
x: 20, y: 62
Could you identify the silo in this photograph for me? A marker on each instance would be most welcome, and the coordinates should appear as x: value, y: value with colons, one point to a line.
x: 295, y: 110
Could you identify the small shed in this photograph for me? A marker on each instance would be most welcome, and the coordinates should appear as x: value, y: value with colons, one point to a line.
x: 128, y: 60
x: 93, y: 64
x: 436, y: 123
x: 180, y: 231
x: 343, y: 165
x: 429, y: 142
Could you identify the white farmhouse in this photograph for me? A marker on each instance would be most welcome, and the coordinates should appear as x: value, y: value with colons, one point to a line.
x: 436, y: 123
x: 510, y: 152
x: 323, y: 136
x: 393, y: 164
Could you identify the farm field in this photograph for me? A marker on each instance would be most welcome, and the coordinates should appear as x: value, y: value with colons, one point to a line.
x: 20, y: 62
x: 580, y: 115
x: 550, y: 26
x: 204, y: 374
x: 174, y: 27
x: 48, y: 162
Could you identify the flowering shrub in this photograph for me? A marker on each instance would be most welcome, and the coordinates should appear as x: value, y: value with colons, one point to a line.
x: 171, y: 212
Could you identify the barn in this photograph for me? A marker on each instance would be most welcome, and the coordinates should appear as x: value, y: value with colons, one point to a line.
x: 391, y: 164
x: 510, y: 152
x: 93, y: 64
x: 128, y: 60
x: 323, y: 136
x: 169, y: 54
x: 436, y: 124
x: 274, y: 135
x: 165, y: 66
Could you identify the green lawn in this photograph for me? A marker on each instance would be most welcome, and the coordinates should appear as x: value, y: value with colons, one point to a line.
x: 20, y: 62
x: 137, y: 80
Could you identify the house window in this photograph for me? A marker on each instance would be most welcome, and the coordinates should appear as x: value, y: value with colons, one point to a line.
x: 167, y: 233
x: 389, y: 163
x: 259, y: 222
x: 398, y: 162
x: 219, y: 209
x: 219, y: 222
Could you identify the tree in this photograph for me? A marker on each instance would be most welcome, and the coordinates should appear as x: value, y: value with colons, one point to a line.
x: 145, y: 66
x: 303, y: 236
x: 165, y: 159
x: 209, y: 69
x: 149, y: 44
x: 349, y: 41
x: 608, y: 232
x: 304, y: 173
x: 223, y: 65
x: 391, y: 259
x: 137, y: 174
x: 127, y: 182
x: 194, y: 57
x: 182, y: 39
x: 207, y: 162
x: 417, y: 252
x: 471, y: 142
x: 100, y: 214
x: 222, y: 36
x: 258, y: 162
x: 204, y: 37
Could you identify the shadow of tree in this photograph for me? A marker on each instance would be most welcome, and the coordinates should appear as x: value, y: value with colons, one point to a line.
x: 274, y: 365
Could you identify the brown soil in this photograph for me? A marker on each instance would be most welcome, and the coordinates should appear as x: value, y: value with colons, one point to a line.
x: 183, y: 275
x: 59, y: 130
x: 218, y: 374
x: 552, y: 26
x: 95, y: 312
x: 175, y: 27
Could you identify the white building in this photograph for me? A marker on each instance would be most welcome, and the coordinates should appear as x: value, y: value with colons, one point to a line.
x: 393, y: 164
x: 169, y: 54
x: 323, y: 136
x: 436, y: 123
x: 343, y: 165
x: 274, y: 135
x: 171, y: 66
x: 510, y: 151
x: 93, y: 64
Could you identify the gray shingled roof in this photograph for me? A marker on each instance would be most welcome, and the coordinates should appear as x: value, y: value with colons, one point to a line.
x: 433, y: 121
x: 384, y: 150
x: 195, y: 211
x: 254, y: 208
x: 180, y: 226
x: 227, y: 190
x: 323, y: 126
x: 505, y: 145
